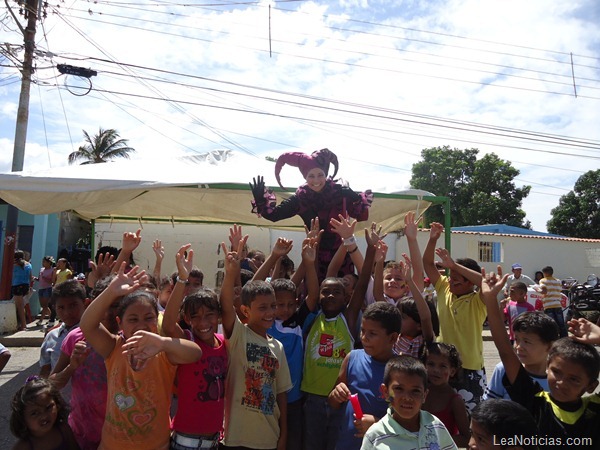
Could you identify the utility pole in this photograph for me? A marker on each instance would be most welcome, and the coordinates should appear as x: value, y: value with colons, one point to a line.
x: 12, y: 217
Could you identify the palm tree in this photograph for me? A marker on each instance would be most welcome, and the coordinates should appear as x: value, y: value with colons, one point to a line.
x: 103, y: 147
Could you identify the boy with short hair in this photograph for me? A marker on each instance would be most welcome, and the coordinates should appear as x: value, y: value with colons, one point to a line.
x: 288, y: 325
x: 406, y: 425
x: 258, y: 376
x: 496, y: 422
x: 362, y: 371
x: 551, y: 297
x: 329, y: 340
x: 573, y: 369
x: 68, y: 299
x: 534, y: 334
x: 461, y: 313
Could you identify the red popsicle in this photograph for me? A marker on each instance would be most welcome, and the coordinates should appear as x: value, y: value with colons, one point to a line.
x: 356, y: 406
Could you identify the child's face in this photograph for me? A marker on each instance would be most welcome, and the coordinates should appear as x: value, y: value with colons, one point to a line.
x: 192, y: 285
x: 332, y: 298
x: 517, y: 295
x: 407, y: 394
x: 410, y: 327
x: 459, y: 285
x: 394, y: 285
x: 204, y: 323
x: 315, y: 179
x: 138, y: 316
x: 530, y: 348
x: 46, y: 264
x: 376, y: 341
x: 286, y: 305
x: 261, y: 313
x: 164, y: 294
x: 69, y: 310
x: 481, y: 439
x: 439, y: 369
x: 41, y: 416
x: 568, y: 380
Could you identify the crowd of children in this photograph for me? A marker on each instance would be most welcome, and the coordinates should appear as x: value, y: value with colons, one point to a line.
x: 281, y: 359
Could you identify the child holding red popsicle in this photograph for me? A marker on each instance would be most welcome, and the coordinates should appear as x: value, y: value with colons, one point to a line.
x: 358, y: 384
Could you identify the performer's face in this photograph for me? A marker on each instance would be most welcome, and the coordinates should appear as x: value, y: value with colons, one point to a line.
x: 315, y: 179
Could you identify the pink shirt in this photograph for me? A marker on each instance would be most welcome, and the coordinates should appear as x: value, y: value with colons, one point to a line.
x: 88, y: 397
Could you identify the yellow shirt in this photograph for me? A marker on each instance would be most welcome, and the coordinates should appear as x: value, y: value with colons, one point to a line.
x: 461, y: 323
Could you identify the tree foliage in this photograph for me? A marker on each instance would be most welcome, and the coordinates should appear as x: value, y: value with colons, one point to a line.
x: 578, y: 212
x: 481, y: 191
x: 103, y: 147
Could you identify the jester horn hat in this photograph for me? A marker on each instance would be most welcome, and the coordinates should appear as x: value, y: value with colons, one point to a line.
x: 318, y: 159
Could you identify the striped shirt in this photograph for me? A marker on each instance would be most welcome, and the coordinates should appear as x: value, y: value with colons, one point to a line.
x: 553, y: 292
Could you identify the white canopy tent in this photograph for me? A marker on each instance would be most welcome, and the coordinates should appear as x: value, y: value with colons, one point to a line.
x: 186, y: 189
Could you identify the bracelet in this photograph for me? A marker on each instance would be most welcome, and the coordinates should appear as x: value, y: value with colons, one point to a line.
x: 352, y: 251
x: 179, y: 280
x: 349, y: 241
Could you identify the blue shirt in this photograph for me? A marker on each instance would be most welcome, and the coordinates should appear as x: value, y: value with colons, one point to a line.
x: 21, y: 275
x: 291, y: 338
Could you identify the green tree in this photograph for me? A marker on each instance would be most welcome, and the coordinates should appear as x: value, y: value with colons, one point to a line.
x: 103, y: 147
x: 480, y: 191
x: 578, y: 212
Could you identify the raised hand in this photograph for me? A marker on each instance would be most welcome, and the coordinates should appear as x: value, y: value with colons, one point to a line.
x: 126, y: 283
x: 235, y: 236
x: 258, y: 188
x: 410, y: 226
x: 158, y: 249
x: 233, y: 258
x: 436, y: 230
x: 309, y: 250
x: 373, y: 235
x: 492, y: 282
x: 282, y: 247
x: 106, y: 262
x: 344, y: 227
x: 406, y: 267
x: 184, y: 264
x: 315, y: 229
x: 381, y: 251
x: 444, y: 255
x: 131, y: 240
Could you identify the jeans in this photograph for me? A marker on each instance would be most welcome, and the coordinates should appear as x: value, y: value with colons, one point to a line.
x: 321, y: 423
x: 557, y: 315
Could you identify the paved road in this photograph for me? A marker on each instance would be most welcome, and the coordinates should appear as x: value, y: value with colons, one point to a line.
x: 24, y: 363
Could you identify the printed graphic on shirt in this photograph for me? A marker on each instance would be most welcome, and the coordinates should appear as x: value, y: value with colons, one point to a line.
x: 260, y: 379
x: 331, y: 348
x: 210, y: 381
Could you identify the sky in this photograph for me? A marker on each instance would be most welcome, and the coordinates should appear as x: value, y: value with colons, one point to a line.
x: 375, y: 81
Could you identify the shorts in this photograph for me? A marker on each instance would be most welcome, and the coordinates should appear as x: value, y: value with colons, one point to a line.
x: 20, y: 290
x: 46, y: 292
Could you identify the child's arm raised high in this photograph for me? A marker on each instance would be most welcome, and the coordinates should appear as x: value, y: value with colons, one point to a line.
x: 170, y: 324
x: 429, y: 254
x: 95, y: 333
x: 490, y: 287
x: 232, y: 271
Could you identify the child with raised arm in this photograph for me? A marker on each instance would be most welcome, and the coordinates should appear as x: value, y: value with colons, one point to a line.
x: 573, y: 367
x: 140, y: 365
x: 534, y: 334
x: 201, y: 385
x: 417, y: 324
x: 258, y: 376
x: 329, y: 339
x: 461, y: 312
x: 287, y: 328
x: 361, y: 374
